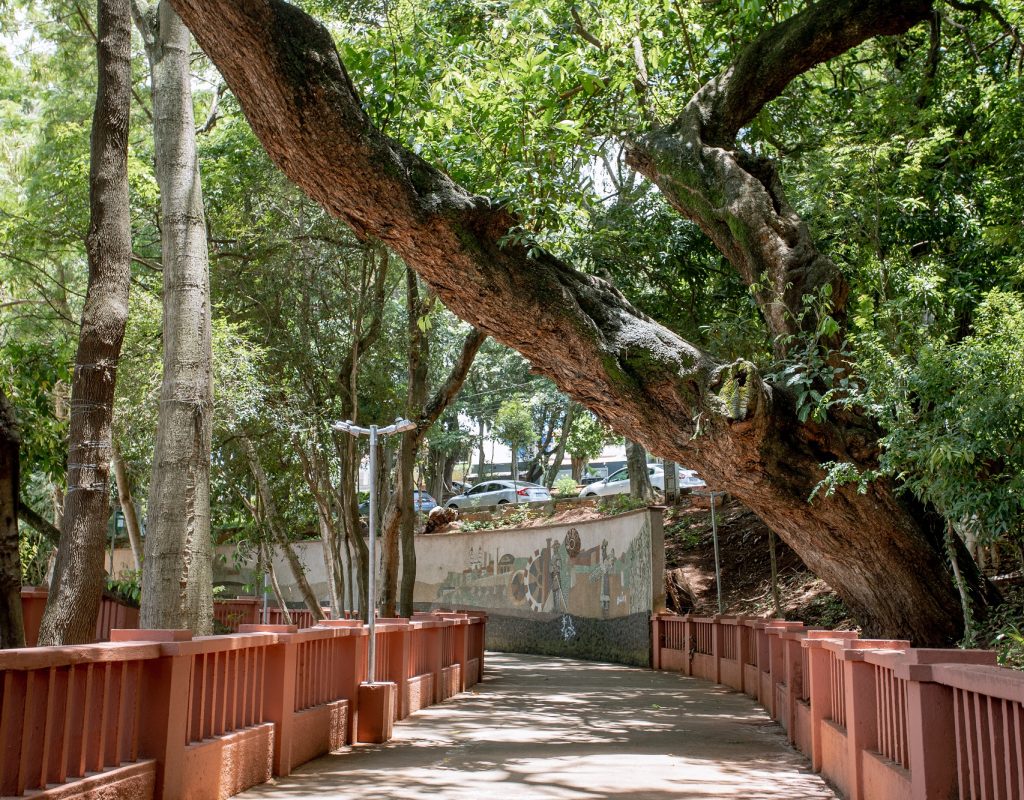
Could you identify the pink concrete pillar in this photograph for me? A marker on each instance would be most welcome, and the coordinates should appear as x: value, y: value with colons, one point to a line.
x: 742, y: 651
x: 793, y: 667
x: 932, y: 741
x: 376, y: 712
x: 764, y: 667
x: 462, y: 651
x: 279, y: 690
x: 398, y: 669
x: 165, y: 684
x: 819, y: 688
x: 434, y: 643
x: 717, y: 645
x: 657, y: 641
x: 861, y: 719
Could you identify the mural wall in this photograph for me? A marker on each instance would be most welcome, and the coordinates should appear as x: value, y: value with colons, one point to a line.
x: 585, y: 590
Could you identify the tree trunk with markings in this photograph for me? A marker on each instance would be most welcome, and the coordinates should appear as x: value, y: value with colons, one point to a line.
x: 177, y: 582
x: 74, y: 600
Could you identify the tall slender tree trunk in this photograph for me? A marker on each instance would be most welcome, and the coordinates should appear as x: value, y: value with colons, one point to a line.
x: 639, y: 479
x: 275, y: 584
x: 74, y: 601
x: 399, y: 523
x: 399, y: 527
x: 481, y: 473
x: 124, y: 497
x: 177, y: 584
x: 275, y: 524
x: 563, y: 437
x: 12, y: 625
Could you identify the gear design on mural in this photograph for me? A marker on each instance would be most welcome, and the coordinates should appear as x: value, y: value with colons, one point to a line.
x: 518, y: 588
x: 536, y: 583
x: 572, y: 543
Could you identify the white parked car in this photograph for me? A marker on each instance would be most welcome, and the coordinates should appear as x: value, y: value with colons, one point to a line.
x: 498, y: 493
x: 618, y: 482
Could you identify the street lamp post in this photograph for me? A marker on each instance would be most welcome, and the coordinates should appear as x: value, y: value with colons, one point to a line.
x: 348, y: 426
x: 714, y: 534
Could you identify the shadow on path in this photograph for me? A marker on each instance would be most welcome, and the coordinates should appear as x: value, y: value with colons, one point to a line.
x: 570, y: 730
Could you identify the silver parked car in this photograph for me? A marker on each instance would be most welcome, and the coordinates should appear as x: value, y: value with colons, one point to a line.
x: 498, y: 493
x: 618, y: 482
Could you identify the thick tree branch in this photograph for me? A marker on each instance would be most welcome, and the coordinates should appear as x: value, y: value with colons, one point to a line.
x: 767, y: 65
x: 736, y: 198
x: 33, y: 519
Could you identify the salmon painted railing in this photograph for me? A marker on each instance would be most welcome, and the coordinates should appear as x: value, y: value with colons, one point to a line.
x: 113, y: 614
x: 159, y: 714
x: 229, y: 613
x: 878, y: 718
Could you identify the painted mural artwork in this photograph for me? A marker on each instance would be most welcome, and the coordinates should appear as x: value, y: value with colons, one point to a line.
x: 568, y: 577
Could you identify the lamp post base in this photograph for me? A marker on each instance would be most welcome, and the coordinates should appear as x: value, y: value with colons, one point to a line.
x: 376, y: 712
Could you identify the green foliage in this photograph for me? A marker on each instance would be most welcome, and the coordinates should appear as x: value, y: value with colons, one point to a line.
x: 955, y: 419
x: 566, y: 486
x: 513, y: 424
x: 127, y: 586
x: 34, y: 551
x: 587, y: 437
x: 620, y: 504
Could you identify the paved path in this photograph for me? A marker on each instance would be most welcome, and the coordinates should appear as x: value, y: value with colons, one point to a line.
x: 569, y: 730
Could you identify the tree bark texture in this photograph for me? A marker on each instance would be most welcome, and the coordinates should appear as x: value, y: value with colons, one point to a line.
x: 12, y: 625
x: 177, y: 583
x: 877, y: 550
x: 74, y: 600
x: 639, y: 479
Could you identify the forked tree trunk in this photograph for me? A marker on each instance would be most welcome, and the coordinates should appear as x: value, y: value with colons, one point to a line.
x: 399, y: 521
x: 74, y: 600
x: 177, y: 583
x: 881, y: 552
x: 12, y: 625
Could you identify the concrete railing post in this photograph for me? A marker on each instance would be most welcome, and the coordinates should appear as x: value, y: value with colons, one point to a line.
x: 819, y: 687
x: 657, y: 641
x: 742, y: 651
x: 165, y: 683
x: 279, y: 690
x: 717, y: 644
x: 462, y: 649
x: 861, y: 718
x: 434, y: 642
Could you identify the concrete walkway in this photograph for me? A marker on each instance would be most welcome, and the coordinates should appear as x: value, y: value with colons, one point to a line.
x: 569, y: 730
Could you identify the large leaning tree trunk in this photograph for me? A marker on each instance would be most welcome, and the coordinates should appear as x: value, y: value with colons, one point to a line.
x: 74, y: 601
x: 881, y: 553
x: 12, y: 625
x: 177, y: 582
